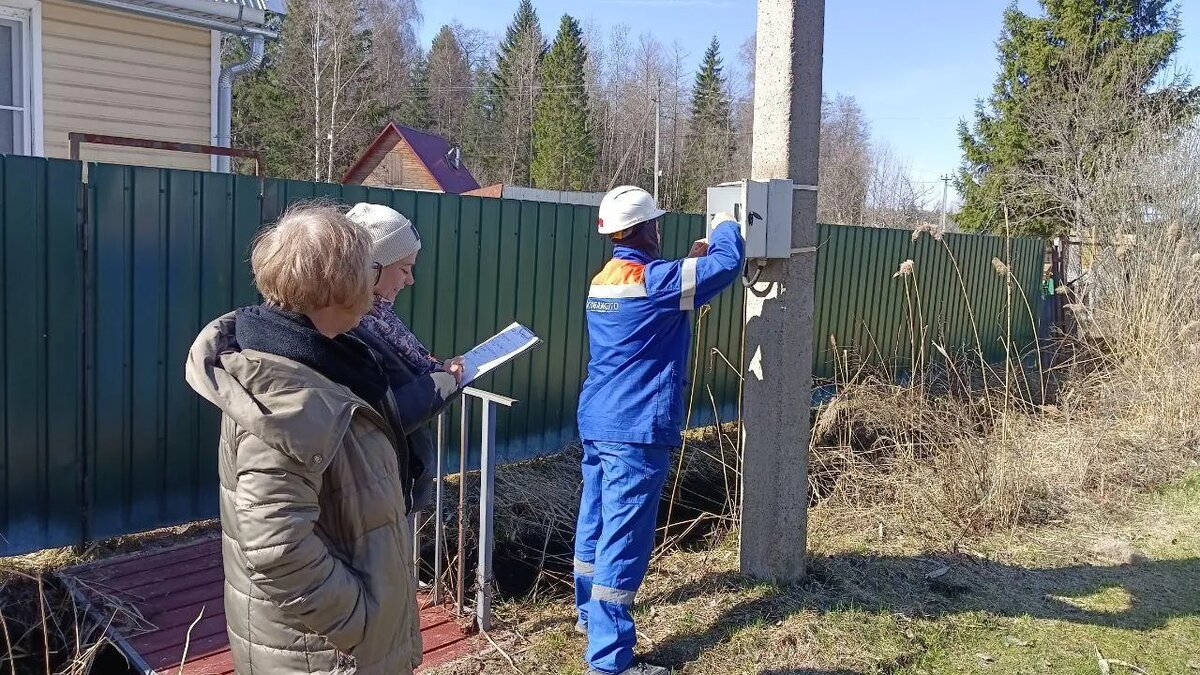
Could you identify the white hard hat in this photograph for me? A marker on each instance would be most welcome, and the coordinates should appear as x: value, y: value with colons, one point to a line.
x: 625, y: 207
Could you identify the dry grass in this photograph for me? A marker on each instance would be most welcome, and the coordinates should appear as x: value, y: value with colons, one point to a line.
x: 952, y: 456
x: 1038, y: 600
x: 44, y: 627
x: 537, y: 505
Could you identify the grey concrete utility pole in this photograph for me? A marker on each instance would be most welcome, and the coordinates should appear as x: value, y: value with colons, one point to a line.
x: 779, y: 307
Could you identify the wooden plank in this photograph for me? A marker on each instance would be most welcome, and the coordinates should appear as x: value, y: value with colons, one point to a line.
x: 167, y: 659
x: 165, y: 640
x: 431, y: 617
x: 157, y: 590
x: 220, y: 663
x: 445, y: 652
x: 114, y: 568
x: 183, y: 607
x: 171, y: 602
x: 144, y: 578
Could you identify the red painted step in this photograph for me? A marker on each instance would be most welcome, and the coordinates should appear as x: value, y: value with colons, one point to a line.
x: 171, y: 586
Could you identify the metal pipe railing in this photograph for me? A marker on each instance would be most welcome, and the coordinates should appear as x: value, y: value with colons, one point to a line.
x: 76, y: 139
x: 485, y: 579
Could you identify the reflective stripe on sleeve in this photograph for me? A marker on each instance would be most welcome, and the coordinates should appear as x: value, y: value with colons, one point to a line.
x: 687, y: 287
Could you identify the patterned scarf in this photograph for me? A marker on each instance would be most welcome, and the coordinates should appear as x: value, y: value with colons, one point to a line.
x: 383, y: 322
x: 343, y: 359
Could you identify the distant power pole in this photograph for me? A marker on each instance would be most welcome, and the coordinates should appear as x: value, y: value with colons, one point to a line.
x: 945, y: 198
x: 657, y: 138
x: 777, y: 390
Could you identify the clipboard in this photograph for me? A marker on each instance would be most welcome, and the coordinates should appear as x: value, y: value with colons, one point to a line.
x: 496, y: 351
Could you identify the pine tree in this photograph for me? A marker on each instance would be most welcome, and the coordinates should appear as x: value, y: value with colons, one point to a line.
x: 515, y: 91
x: 564, y: 153
x: 479, y: 143
x: 450, y: 82
x: 1118, y: 47
x: 417, y: 111
x: 708, y: 158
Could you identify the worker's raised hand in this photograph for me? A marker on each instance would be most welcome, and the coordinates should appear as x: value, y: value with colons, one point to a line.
x: 722, y: 217
x: 699, y: 249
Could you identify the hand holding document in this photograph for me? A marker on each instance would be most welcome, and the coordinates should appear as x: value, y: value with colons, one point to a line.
x: 496, y: 351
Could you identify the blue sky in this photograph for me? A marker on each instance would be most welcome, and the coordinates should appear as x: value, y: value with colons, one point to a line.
x: 916, y: 66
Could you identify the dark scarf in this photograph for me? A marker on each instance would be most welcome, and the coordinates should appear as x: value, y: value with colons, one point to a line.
x: 344, y: 359
x: 642, y: 237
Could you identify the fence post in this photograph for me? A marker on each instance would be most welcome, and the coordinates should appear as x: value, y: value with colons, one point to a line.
x: 487, y: 487
x: 464, y: 446
x: 437, y: 512
x: 415, y: 528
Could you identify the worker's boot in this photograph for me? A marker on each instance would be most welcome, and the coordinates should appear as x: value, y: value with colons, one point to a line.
x: 639, y: 669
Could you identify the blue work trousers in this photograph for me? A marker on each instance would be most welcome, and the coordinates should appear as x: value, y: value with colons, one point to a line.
x: 622, y: 487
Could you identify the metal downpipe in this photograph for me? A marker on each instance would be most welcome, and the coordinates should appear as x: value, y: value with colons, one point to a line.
x: 258, y: 51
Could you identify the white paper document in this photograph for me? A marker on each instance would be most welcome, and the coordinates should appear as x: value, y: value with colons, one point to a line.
x: 497, y: 350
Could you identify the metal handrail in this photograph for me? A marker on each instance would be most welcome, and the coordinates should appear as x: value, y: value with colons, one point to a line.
x: 485, y: 580
x: 76, y: 139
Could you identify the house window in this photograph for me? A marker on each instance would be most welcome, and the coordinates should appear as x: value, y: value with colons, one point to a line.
x: 16, y: 120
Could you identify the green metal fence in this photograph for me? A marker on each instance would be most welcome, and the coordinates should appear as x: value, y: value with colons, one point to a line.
x: 955, y: 296
x: 41, y: 360
x: 106, y: 283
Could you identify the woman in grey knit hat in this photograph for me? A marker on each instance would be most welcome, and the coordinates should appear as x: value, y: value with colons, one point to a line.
x: 422, y: 384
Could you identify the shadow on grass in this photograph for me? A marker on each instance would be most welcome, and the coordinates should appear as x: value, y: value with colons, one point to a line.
x: 1141, y: 596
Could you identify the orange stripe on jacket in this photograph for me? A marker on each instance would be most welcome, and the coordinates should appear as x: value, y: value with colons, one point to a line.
x: 621, y: 273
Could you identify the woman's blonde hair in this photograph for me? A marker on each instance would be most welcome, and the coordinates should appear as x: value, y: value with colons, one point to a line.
x: 314, y: 257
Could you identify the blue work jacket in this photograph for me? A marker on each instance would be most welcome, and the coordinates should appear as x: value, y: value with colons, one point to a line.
x: 639, y: 331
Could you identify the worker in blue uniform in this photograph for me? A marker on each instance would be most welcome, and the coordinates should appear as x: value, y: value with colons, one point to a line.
x: 631, y: 409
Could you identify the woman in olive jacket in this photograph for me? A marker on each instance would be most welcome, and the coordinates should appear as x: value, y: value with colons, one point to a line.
x: 316, y: 546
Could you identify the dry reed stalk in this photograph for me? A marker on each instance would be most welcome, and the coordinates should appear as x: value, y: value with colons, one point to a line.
x: 8, y: 645
x: 187, y: 641
x: 691, y: 404
x: 45, y: 623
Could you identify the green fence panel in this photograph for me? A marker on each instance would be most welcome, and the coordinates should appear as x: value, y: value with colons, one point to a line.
x: 41, y: 358
x: 167, y: 253
x: 956, y: 298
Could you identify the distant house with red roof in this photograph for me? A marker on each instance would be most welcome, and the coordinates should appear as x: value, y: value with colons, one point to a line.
x: 406, y: 158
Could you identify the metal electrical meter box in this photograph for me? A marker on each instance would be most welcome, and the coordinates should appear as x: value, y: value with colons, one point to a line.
x: 764, y: 210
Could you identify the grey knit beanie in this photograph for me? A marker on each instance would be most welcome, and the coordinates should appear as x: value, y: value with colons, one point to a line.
x: 393, y: 236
